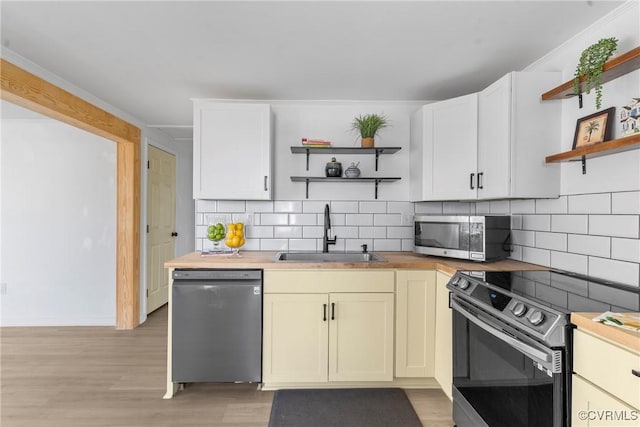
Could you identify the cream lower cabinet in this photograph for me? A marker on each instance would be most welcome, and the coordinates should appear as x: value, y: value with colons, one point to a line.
x: 415, y: 323
x: 443, y: 368
x: 605, y: 390
x: 328, y: 325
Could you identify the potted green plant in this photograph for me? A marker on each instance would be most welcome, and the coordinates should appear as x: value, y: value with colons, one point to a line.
x: 367, y: 126
x: 590, y: 66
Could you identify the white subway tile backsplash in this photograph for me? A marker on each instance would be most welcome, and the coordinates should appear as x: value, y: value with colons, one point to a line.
x: 462, y: 208
x: 345, y: 232
x: 372, y: 232
x: 483, y: 208
x: 569, y: 262
x: 344, y: 207
x: 387, y: 245
x: 498, y: 207
x: 205, y: 206
x: 536, y: 256
x: 405, y: 208
x: 303, y: 219
x: 428, y: 208
x: 287, y: 232
x: 516, y: 222
x: 627, y: 202
x: 536, y: 222
x: 336, y: 219
x: 287, y: 206
x: 259, y: 232
x: 554, y: 241
x: 407, y: 245
x: 617, y: 271
x: 523, y: 238
x: 355, y: 245
x: 387, y: 219
x: 516, y: 253
x: 359, y: 219
x: 251, y: 245
x: 523, y: 206
x: 274, y: 219
x: 231, y: 206
x: 312, y: 232
x: 313, y: 206
x: 577, y: 224
x: 259, y: 206
x: 274, y: 244
x: 373, y: 207
x: 302, y: 244
x: 615, y: 225
x: 400, y: 232
x: 599, y: 203
x: 589, y: 245
x: 625, y: 249
x: 556, y: 206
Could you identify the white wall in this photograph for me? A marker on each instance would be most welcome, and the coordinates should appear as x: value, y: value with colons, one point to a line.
x: 58, y: 223
x: 185, y: 216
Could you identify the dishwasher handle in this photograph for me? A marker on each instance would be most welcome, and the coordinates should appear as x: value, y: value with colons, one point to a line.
x: 216, y: 274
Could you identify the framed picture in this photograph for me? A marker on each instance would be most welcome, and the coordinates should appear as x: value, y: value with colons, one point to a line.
x: 594, y: 128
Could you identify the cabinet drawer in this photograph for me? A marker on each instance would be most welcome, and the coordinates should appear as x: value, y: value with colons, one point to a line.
x: 607, y: 366
x: 323, y: 281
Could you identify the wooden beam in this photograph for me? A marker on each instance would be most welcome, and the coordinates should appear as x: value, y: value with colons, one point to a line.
x: 30, y: 91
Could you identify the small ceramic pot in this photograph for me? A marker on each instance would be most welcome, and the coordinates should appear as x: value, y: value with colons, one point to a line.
x: 352, y: 171
x: 333, y: 168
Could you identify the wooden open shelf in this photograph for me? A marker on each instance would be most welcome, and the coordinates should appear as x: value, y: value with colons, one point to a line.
x: 630, y: 142
x: 613, y: 68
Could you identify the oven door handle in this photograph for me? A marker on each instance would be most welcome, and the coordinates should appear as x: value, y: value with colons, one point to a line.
x: 530, y: 351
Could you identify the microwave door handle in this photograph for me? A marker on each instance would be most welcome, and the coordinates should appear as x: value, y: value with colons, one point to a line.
x: 532, y: 352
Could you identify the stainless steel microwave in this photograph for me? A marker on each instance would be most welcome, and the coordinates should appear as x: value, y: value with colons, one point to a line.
x: 478, y: 238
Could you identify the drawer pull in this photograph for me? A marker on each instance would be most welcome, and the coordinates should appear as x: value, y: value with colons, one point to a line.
x: 635, y: 372
x: 324, y: 312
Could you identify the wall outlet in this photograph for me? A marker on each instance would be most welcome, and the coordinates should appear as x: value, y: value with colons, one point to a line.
x: 3, y: 288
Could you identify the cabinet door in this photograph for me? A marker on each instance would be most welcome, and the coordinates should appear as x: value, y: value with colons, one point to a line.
x: 231, y: 151
x: 450, y: 138
x: 295, y: 341
x: 591, y: 406
x: 494, y: 124
x: 361, y: 337
x: 444, y: 344
x: 415, y: 323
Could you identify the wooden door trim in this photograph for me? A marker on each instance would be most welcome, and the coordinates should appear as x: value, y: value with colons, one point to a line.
x: 30, y: 91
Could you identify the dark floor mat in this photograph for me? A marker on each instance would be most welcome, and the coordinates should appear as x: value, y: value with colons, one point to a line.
x: 373, y: 407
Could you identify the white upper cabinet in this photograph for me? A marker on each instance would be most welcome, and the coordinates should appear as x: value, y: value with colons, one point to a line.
x: 516, y: 130
x: 489, y: 145
x: 231, y: 151
x: 444, y: 141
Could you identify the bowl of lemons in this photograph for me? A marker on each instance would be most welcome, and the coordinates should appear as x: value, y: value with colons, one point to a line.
x: 235, y: 237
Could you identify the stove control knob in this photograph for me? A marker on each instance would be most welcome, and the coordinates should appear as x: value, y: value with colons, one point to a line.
x: 464, y: 284
x: 455, y: 281
x: 519, y: 309
x: 536, y: 318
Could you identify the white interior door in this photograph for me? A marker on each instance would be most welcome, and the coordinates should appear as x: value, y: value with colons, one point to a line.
x: 161, y: 224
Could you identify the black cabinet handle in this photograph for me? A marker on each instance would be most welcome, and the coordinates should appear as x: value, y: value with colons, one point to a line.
x: 635, y: 372
x: 480, y: 187
x: 324, y: 312
x: 333, y: 311
x: 174, y: 234
x: 471, y: 175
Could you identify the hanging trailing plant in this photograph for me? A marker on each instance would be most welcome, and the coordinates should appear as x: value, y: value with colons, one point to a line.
x: 590, y: 65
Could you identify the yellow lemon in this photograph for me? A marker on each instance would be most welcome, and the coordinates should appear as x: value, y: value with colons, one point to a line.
x: 239, y: 225
x: 231, y: 226
x: 228, y: 242
x: 235, y: 241
x: 239, y: 233
x: 241, y: 242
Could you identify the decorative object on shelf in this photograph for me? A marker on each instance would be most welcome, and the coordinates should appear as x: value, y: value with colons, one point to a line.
x: 594, y: 128
x: 591, y: 65
x: 352, y: 171
x: 317, y: 143
x: 630, y: 117
x: 367, y: 126
x: 333, y: 168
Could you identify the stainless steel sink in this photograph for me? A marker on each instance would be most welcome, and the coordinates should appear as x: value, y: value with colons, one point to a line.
x: 328, y: 257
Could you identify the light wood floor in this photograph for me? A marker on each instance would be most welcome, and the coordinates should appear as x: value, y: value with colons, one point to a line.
x: 97, y: 376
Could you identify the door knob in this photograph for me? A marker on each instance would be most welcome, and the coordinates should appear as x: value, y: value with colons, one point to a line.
x: 174, y: 234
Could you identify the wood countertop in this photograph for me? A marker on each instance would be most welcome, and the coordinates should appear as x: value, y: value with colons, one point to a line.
x: 622, y: 337
x: 264, y: 260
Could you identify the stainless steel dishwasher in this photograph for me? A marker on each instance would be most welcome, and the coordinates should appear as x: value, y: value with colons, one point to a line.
x: 217, y: 326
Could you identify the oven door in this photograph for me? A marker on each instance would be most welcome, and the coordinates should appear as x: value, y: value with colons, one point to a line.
x: 442, y: 236
x: 501, y: 377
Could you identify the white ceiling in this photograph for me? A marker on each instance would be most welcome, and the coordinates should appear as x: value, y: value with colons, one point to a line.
x: 150, y: 58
